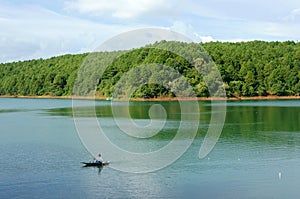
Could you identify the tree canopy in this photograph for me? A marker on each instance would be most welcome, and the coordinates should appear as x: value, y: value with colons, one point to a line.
x: 255, y: 68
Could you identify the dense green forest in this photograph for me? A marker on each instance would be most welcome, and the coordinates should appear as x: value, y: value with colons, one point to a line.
x: 255, y: 68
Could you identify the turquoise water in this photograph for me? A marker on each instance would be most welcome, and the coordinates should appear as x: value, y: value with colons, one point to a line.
x: 257, y: 155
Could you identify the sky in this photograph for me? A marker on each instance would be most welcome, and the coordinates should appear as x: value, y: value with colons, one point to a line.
x: 32, y: 29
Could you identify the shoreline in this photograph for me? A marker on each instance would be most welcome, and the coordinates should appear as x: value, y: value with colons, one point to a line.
x: 100, y: 98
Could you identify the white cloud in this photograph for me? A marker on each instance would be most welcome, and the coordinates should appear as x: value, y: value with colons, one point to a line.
x: 117, y: 8
x: 31, y: 31
x: 220, y: 9
x: 293, y: 15
x: 182, y: 27
x: 189, y: 31
x: 34, y: 32
x: 205, y: 39
x: 254, y: 10
x: 279, y: 31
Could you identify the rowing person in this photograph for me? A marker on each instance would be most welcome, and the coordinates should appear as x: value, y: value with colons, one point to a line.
x: 98, y: 159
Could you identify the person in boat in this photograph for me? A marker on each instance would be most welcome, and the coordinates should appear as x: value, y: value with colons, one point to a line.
x: 98, y: 159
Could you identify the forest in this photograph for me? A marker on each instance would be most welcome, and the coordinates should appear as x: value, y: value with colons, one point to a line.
x: 254, y: 68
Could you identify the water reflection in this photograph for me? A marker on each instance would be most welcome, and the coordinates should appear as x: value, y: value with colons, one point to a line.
x: 258, y: 141
x: 98, y: 168
x: 126, y: 185
x: 12, y: 110
x: 247, y: 119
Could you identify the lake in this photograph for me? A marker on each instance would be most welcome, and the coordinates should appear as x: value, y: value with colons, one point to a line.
x: 256, y: 156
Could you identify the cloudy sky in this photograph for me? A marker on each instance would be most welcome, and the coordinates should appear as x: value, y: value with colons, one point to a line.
x: 39, y: 28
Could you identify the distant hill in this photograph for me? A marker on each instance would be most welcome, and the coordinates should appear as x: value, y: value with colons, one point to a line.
x: 255, y: 68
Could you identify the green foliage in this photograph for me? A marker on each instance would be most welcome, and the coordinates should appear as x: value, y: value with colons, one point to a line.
x: 258, y: 68
x: 254, y: 68
x: 54, y: 76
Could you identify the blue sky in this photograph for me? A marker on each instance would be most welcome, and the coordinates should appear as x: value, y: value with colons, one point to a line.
x: 37, y: 28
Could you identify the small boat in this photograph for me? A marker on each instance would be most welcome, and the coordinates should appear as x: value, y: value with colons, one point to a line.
x: 95, y: 164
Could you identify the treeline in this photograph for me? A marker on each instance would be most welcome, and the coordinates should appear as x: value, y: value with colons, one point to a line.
x: 258, y: 68
x: 54, y: 76
x: 254, y: 68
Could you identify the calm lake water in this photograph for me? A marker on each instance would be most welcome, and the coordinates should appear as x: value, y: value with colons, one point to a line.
x: 257, y: 155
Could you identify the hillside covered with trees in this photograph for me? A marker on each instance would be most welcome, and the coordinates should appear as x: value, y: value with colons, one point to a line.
x: 255, y: 68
